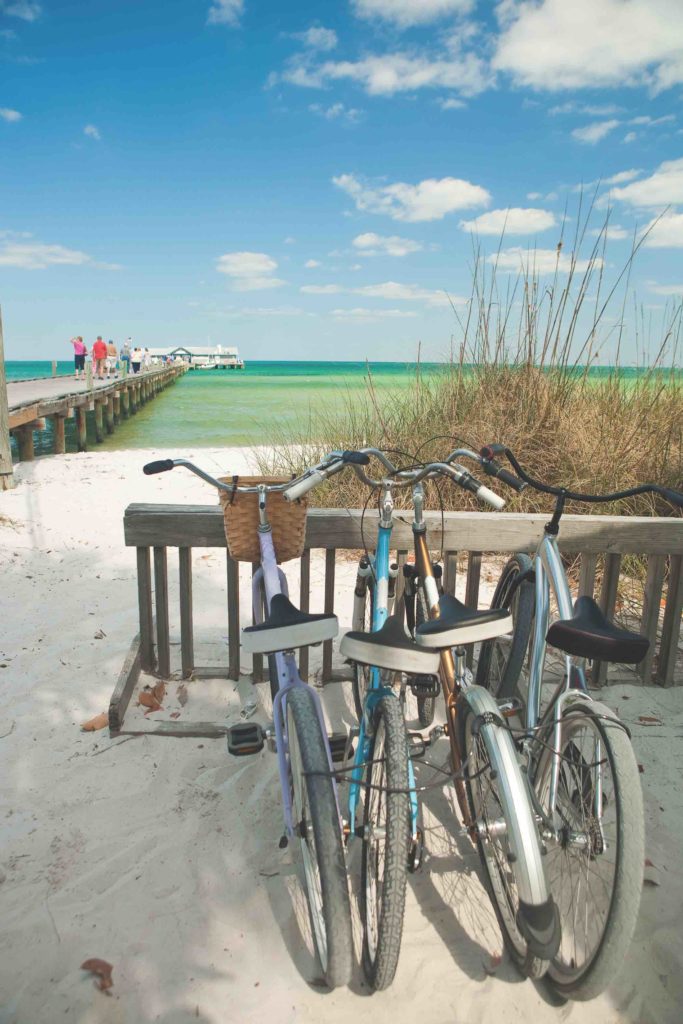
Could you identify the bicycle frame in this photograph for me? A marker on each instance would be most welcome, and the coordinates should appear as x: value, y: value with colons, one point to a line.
x: 550, y: 574
x: 380, y: 569
x: 270, y: 580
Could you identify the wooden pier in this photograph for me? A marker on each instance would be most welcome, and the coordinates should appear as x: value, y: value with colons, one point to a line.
x: 31, y: 403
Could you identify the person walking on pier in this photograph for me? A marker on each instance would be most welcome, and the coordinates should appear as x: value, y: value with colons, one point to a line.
x: 99, y: 356
x: 112, y: 356
x: 136, y: 359
x: 125, y: 354
x: 80, y: 352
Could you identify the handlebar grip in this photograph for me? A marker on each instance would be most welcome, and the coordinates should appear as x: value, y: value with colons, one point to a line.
x: 160, y: 466
x: 675, y: 497
x: 356, y: 458
x: 490, y: 497
x: 300, y: 487
x: 510, y: 479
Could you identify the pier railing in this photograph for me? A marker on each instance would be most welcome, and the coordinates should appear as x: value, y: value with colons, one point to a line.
x: 110, y: 403
x: 604, y: 540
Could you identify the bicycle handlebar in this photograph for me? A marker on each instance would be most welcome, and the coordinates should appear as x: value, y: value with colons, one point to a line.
x: 161, y: 466
x: 674, y: 497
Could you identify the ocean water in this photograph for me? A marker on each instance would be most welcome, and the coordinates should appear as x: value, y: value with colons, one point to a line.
x: 235, y: 407
x: 244, y: 407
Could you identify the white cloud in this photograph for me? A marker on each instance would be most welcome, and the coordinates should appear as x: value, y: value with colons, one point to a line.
x: 318, y: 38
x: 336, y: 112
x: 665, y: 289
x: 92, y: 132
x: 651, y: 122
x: 534, y: 195
x: 321, y: 289
x: 662, y: 188
x: 391, y: 290
x: 666, y: 233
x: 623, y: 176
x: 24, y: 9
x: 539, y: 261
x: 405, y: 292
x: 370, y: 244
x: 589, y: 109
x: 613, y: 232
x: 391, y: 73
x: 450, y: 103
x: 513, y: 221
x: 431, y: 199
x: 38, y: 256
x: 405, y: 13
x: 360, y: 313
x: 555, y: 44
x: 311, y: 264
x: 225, y: 12
x: 249, y: 271
x: 629, y: 137
x: 10, y: 115
x: 592, y: 133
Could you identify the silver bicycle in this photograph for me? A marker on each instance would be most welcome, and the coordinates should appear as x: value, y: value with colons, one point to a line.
x: 581, y: 764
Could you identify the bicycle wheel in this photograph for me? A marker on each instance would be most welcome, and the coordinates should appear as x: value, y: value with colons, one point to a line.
x: 360, y: 681
x: 501, y: 660
x: 507, y: 836
x: 316, y: 817
x: 595, y: 869
x: 386, y: 833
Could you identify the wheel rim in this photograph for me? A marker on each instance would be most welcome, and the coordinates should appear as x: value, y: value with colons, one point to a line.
x: 301, y: 816
x: 375, y: 842
x: 581, y: 866
x: 487, y: 810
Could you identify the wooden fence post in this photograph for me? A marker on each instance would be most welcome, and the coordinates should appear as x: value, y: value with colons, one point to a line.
x: 6, y: 468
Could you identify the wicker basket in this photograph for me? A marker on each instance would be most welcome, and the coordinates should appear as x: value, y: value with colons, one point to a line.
x: 241, y: 517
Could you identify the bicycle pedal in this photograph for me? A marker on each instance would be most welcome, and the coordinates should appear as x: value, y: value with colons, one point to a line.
x: 341, y: 747
x: 417, y: 745
x: 425, y: 686
x: 244, y: 739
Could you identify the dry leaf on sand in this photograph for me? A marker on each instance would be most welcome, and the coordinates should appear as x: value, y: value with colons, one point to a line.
x: 149, y: 700
x: 159, y: 691
x: 98, y: 722
x: 175, y: 714
x: 103, y: 971
x: 181, y: 694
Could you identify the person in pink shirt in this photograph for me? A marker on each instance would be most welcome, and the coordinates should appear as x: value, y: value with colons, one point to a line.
x: 99, y: 358
x: 80, y: 352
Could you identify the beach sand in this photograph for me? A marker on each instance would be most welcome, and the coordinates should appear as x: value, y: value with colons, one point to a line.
x: 161, y: 855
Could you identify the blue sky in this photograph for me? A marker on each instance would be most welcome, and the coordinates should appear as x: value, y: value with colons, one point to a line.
x: 304, y: 179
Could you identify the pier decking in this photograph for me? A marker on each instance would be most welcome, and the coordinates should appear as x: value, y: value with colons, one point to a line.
x: 32, y: 402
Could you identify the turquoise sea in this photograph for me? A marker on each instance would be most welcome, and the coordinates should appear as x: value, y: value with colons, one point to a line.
x: 243, y: 407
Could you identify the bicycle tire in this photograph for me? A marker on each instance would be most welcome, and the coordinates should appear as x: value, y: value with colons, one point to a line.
x: 384, y: 863
x: 501, y: 660
x: 621, y: 837
x: 425, y: 705
x: 360, y: 680
x: 511, y: 856
x: 315, y: 813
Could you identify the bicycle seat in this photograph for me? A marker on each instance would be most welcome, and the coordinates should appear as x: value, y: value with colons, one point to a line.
x: 589, y: 634
x: 389, y: 647
x: 286, y: 627
x: 457, y: 624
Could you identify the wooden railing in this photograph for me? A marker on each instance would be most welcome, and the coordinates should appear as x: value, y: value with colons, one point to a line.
x: 153, y: 529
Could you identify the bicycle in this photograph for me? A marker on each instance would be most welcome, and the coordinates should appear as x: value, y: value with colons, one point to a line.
x: 580, y: 761
x: 309, y: 792
x: 492, y: 793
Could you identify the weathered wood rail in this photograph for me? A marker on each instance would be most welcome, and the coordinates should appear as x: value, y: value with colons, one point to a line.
x: 33, y: 402
x: 153, y: 529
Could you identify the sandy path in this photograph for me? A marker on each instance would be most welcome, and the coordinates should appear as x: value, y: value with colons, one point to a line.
x: 162, y: 856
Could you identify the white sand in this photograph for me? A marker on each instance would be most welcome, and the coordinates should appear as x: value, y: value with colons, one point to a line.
x: 160, y: 855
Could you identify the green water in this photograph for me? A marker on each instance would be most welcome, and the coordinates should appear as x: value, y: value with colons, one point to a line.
x: 244, y: 407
